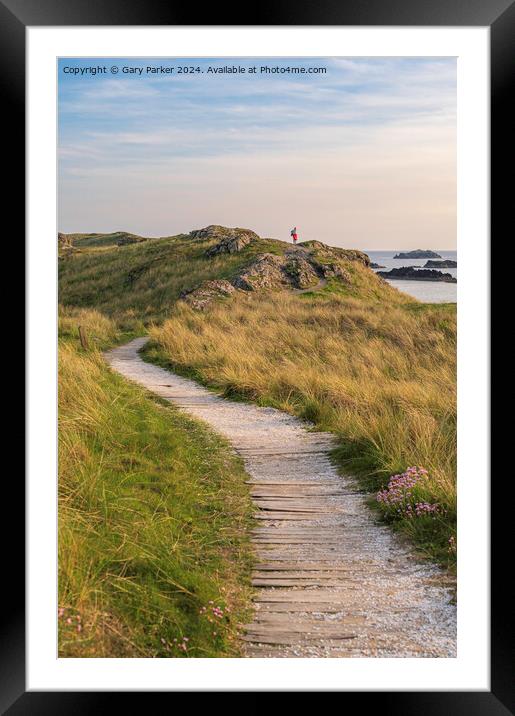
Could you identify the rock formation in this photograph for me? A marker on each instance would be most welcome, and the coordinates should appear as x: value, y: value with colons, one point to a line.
x: 300, y: 271
x: 265, y: 272
x: 323, y: 251
x: 202, y: 296
x: 229, y: 241
x: 418, y: 254
x: 300, y: 267
x: 413, y: 274
x: 446, y: 263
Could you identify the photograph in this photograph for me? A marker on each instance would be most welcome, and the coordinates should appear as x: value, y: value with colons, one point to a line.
x: 257, y: 341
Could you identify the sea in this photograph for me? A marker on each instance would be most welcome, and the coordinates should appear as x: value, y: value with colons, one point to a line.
x: 425, y: 291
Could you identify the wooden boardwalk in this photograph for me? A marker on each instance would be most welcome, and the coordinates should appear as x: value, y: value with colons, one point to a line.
x: 329, y: 581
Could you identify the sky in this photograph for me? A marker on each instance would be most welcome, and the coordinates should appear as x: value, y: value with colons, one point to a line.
x: 361, y: 155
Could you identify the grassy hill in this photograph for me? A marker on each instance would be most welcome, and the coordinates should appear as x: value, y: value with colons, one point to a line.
x: 309, y: 329
x: 141, y: 280
x: 94, y: 240
x: 145, y: 279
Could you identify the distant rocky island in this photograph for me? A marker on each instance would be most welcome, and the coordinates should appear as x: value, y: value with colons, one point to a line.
x: 418, y: 254
x: 412, y: 274
x: 376, y: 266
x: 446, y: 263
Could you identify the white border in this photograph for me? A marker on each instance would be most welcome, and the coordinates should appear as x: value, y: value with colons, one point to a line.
x: 470, y: 670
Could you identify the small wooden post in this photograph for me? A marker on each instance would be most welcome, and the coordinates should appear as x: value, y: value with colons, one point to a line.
x: 83, y: 338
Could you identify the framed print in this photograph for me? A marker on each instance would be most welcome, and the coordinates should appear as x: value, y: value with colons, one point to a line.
x: 258, y: 414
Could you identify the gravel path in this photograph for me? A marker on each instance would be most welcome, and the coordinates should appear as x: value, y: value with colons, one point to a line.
x: 329, y: 581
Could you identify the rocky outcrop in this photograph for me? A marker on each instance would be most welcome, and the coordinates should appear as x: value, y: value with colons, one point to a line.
x: 413, y: 274
x: 229, y: 245
x: 418, y: 254
x: 446, y: 263
x: 334, y: 270
x: 229, y: 241
x: 323, y: 251
x: 300, y: 271
x: 295, y: 270
x: 298, y: 268
x: 266, y: 272
x: 376, y: 266
x: 208, y: 291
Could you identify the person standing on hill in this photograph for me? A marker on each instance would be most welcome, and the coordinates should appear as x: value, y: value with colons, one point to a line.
x: 293, y: 234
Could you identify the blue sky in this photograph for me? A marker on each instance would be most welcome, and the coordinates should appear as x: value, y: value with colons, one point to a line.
x: 360, y: 156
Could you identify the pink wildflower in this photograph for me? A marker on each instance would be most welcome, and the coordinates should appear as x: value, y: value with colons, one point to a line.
x: 398, y: 497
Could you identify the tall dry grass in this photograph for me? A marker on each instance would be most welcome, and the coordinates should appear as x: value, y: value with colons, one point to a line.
x: 153, y: 512
x: 100, y: 330
x: 379, y: 374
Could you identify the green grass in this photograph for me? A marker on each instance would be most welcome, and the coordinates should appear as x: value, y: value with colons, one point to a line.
x: 153, y: 517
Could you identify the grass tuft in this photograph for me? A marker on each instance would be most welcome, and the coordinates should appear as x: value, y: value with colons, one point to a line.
x: 154, y: 558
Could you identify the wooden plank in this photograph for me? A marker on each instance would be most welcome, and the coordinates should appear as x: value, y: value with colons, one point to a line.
x: 321, y: 482
x: 282, y: 566
x: 303, y: 487
x: 296, y: 582
x: 264, y: 608
x: 276, y: 533
x: 305, y: 538
x: 284, y: 638
x: 303, y: 499
x: 266, y: 506
x: 296, y: 485
x: 343, y: 621
x: 320, y: 596
x: 334, y: 630
x: 306, y: 502
x: 304, y: 576
x: 295, y: 540
x: 270, y: 515
x: 299, y: 573
x: 294, y: 531
x: 297, y: 494
x: 306, y: 532
x: 295, y: 454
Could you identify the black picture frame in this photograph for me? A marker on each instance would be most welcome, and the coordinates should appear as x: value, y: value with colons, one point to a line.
x: 499, y: 16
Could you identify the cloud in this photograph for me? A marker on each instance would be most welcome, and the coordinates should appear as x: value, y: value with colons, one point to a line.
x: 370, y: 145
